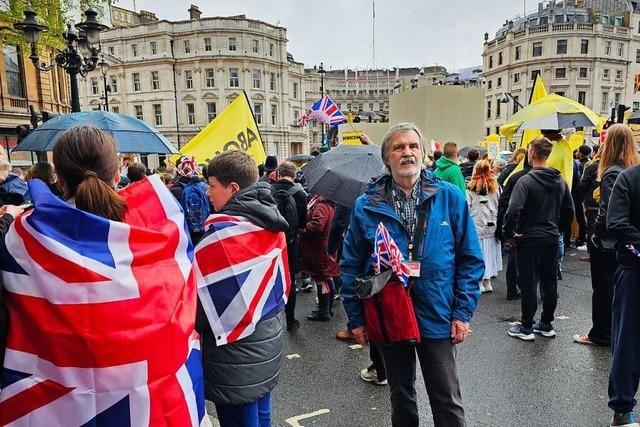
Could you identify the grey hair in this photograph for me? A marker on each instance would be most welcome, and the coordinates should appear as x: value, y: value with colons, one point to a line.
x: 397, y: 128
x: 5, y: 166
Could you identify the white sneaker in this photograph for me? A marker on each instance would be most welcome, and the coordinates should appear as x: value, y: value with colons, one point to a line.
x: 482, y: 289
x: 487, y: 285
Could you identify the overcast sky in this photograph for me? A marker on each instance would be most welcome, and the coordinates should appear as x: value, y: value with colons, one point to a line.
x: 339, y: 32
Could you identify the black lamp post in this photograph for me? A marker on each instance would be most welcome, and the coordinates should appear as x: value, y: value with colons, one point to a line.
x: 72, y: 59
x: 322, y: 72
x: 103, y: 69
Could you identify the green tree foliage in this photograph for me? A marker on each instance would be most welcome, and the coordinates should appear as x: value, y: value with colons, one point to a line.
x: 52, y: 13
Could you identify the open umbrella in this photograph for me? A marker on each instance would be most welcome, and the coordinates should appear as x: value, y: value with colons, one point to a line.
x: 547, y: 107
x: 464, y: 151
x: 131, y: 135
x: 635, y: 118
x: 559, y: 121
x: 342, y: 174
x: 301, y: 158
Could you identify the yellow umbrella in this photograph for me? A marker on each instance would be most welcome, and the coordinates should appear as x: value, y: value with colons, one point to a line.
x: 546, y: 106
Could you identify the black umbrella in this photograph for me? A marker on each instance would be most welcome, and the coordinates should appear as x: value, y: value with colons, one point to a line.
x: 635, y: 118
x: 342, y: 174
x: 300, y: 158
x: 465, y: 151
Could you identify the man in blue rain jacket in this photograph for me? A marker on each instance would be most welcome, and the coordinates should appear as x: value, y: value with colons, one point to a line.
x: 446, y: 271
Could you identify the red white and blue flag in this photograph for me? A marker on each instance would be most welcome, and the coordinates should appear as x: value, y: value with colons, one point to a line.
x: 387, y: 254
x: 101, y: 315
x: 324, y: 110
x: 242, y: 274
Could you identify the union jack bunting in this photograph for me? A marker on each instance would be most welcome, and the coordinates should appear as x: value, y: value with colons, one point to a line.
x: 387, y: 254
x: 324, y: 110
x: 242, y: 274
x: 102, y: 315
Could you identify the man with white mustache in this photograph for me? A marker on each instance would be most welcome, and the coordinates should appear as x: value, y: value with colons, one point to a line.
x: 430, y: 222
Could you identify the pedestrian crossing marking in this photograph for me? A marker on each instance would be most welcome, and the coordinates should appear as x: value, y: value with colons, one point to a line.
x: 294, y: 421
x: 562, y: 317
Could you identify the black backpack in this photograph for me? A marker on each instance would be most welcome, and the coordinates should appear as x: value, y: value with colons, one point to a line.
x: 288, y: 209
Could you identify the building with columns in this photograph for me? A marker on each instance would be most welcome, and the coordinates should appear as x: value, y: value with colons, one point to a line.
x: 177, y: 75
x: 586, y: 50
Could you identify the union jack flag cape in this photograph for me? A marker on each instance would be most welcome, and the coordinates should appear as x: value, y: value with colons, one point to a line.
x: 324, y: 110
x: 101, y: 315
x: 387, y: 254
x: 243, y: 275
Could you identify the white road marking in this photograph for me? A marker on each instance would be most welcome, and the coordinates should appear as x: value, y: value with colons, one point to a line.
x: 293, y: 356
x: 355, y: 347
x: 562, y: 317
x: 293, y: 421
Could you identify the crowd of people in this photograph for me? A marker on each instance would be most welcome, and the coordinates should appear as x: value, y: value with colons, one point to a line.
x: 450, y: 221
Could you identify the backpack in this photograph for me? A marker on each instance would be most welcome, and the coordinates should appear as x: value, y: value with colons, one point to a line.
x: 195, y: 205
x: 288, y: 209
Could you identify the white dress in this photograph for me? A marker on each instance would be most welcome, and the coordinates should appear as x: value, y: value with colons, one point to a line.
x: 484, y: 211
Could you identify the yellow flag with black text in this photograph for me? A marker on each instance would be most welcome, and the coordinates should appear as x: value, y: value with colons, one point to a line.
x: 233, y: 129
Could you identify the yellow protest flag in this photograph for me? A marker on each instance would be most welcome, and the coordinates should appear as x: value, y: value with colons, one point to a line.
x: 539, y: 91
x: 576, y: 140
x: 351, y: 138
x: 233, y: 129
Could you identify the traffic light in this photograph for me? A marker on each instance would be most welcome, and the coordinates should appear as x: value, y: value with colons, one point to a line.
x: 22, y: 131
x: 620, y: 116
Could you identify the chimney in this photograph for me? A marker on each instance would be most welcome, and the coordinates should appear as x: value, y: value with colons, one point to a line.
x: 194, y: 12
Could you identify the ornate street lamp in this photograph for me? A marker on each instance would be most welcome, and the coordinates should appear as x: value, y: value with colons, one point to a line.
x: 72, y: 59
x: 103, y: 69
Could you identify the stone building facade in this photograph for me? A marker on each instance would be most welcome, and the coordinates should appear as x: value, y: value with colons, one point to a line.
x: 585, y: 50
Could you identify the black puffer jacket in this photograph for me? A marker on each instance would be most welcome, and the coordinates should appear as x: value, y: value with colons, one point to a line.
x: 623, y: 216
x: 245, y: 370
x: 602, y: 240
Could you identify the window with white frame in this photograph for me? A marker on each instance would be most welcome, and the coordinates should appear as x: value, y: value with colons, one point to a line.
x: 191, y: 114
x: 94, y: 86
x: 516, y: 78
x: 537, y: 49
x: 604, y: 105
x: 618, y: 74
x: 257, y: 112
x: 155, y: 80
x: 272, y: 81
x: 295, y: 90
x: 157, y: 114
x: 211, y: 111
x: 561, y: 46
x: 113, y: 84
x: 115, y: 109
x: 272, y: 49
x: 582, y: 97
x: 616, y: 98
x: 209, y: 77
x: 208, y: 47
x: 582, y: 73
x: 187, y: 46
x: 135, y: 77
x: 256, y: 79
x: 233, y: 46
x: 255, y: 46
x: 274, y: 114
x: 607, y: 48
x: 111, y: 50
x: 188, y: 79
x: 137, y: 109
x: 154, y: 48
x: 561, y: 73
x: 620, y: 49
x: 134, y: 50
x: 605, y: 74
x: 234, y: 80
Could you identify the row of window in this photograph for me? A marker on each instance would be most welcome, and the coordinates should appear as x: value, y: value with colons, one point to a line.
x: 232, y: 46
x: 371, y: 92
x: 209, y: 81
x: 582, y: 98
x: 560, y: 73
x: 561, y: 49
x: 211, y: 113
x: 359, y: 106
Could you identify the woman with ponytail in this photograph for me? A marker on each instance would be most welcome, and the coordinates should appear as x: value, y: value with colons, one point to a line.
x: 483, y: 193
x: 87, y: 165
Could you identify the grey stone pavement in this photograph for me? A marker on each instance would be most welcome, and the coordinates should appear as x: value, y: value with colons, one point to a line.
x: 505, y: 381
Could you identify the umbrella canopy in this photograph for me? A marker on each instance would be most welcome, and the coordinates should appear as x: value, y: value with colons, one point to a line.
x: 131, y: 135
x: 342, y: 174
x: 635, y: 117
x: 465, y: 151
x: 545, y: 107
x: 558, y: 121
x: 301, y: 158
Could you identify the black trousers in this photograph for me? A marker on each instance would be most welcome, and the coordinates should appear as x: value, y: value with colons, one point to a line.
x: 378, y: 362
x: 538, y: 264
x: 290, y: 308
x: 625, y: 341
x: 512, y: 273
x: 580, y: 219
x: 438, y: 365
x: 602, y: 264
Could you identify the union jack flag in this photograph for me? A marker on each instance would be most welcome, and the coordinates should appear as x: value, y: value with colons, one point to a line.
x: 102, y: 315
x: 387, y: 254
x: 242, y: 274
x: 324, y: 110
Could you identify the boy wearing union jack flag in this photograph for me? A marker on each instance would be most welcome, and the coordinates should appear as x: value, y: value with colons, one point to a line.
x: 243, y: 281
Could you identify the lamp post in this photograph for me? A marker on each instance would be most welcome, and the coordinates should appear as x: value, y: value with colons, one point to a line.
x: 103, y: 69
x: 72, y: 58
x: 322, y: 72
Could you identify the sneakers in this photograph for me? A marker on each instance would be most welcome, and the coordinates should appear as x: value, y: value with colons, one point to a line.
x: 583, y: 339
x: 625, y: 419
x: 544, y: 329
x: 370, y: 375
x: 487, y: 285
x: 482, y: 289
x: 525, y: 334
x: 306, y: 285
x: 345, y: 336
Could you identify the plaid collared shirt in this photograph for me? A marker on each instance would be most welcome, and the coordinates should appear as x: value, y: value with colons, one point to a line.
x: 406, y: 206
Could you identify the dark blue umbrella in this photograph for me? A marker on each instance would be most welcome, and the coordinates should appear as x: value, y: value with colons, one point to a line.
x: 131, y: 135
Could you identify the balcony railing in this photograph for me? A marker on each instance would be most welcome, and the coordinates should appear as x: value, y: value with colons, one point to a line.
x: 565, y: 26
x: 539, y: 29
x: 19, y: 103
